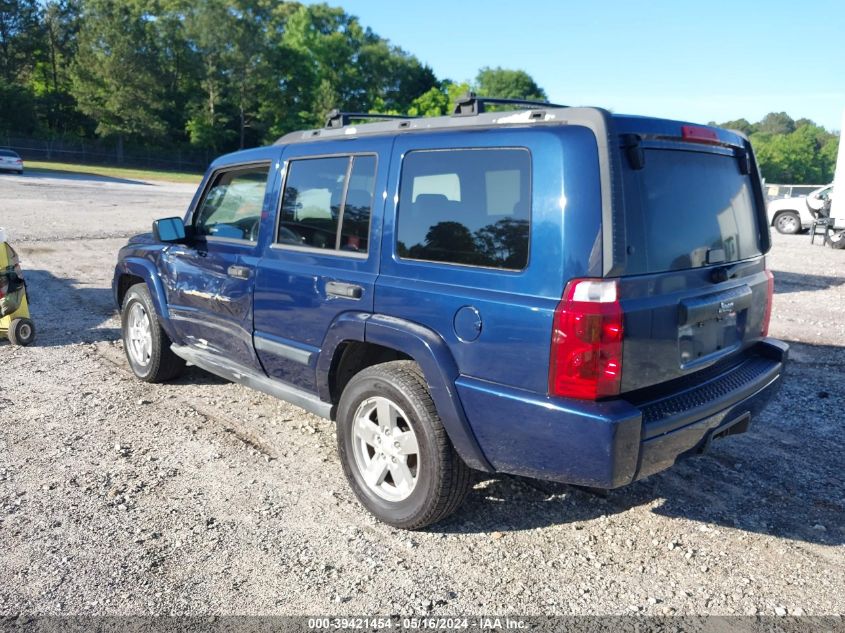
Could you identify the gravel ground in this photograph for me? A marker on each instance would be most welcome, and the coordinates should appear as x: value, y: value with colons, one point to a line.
x: 202, y: 497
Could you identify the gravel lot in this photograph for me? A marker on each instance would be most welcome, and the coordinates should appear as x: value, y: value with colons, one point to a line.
x: 202, y: 497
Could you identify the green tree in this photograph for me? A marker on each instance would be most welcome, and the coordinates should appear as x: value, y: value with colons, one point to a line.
x: 246, y: 64
x: 334, y: 62
x: 791, y: 151
x: 51, y: 79
x: 508, y: 84
x: 21, y: 37
x: 17, y: 109
x: 776, y: 123
x: 206, y: 125
x: 433, y: 102
x: 115, y: 74
x: 388, y: 77
x: 804, y: 156
x: 741, y: 125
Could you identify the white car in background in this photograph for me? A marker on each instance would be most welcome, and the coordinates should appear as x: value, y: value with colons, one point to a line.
x: 10, y: 161
x: 795, y: 214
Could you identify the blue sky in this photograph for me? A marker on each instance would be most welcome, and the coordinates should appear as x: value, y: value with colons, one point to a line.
x: 699, y: 61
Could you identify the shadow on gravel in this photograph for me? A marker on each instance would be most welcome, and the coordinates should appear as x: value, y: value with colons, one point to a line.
x: 66, y: 175
x: 196, y: 376
x: 792, y: 282
x: 66, y: 311
x: 783, y: 478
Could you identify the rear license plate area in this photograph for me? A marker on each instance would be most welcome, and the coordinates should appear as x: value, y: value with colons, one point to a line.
x: 700, y: 341
x: 711, y: 326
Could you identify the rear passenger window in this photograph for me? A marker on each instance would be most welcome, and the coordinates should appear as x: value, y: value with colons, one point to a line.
x: 327, y: 203
x: 465, y: 206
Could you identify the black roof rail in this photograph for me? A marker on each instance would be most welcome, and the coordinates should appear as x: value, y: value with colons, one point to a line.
x: 337, y: 119
x: 470, y: 104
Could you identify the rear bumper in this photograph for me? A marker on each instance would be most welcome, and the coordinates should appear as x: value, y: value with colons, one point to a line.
x: 613, y: 443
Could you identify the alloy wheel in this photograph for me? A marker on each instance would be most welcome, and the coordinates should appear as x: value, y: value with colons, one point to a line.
x: 385, y: 449
x: 139, y: 338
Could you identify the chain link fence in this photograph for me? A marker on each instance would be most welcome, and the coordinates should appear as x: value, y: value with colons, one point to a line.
x: 101, y: 152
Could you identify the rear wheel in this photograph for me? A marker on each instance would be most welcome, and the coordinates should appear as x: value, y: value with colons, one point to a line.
x: 788, y: 223
x: 395, y: 452
x: 835, y: 238
x: 146, y: 344
x: 21, y: 332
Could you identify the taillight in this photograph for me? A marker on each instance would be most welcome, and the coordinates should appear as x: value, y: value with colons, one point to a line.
x: 586, y: 353
x: 770, y: 293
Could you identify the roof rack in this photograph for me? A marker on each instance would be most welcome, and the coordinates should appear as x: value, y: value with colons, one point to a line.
x: 337, y: 119
x: 471, y: 104
x: 538, y: 112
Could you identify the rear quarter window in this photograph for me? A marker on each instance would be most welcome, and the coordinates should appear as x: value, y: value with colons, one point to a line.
x: 465, y: 206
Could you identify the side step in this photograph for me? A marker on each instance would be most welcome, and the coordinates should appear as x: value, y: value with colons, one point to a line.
x: 249, y: 378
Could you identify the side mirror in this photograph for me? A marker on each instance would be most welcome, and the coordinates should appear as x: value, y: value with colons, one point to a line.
x: 169, y: 230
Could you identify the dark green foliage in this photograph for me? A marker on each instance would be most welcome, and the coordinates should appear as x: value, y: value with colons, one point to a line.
x: 20, y: 36
x: 776, y: 123
x: 116, y: 74
x: 216, y: 74
x: 224, y: 74
x: 17, y: 109
x: 793, y: 152
x: 509, y: 84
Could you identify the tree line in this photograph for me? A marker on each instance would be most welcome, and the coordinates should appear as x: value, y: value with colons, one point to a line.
x: 790, y: 151
x: 217, y: 74
x: 226, y: 74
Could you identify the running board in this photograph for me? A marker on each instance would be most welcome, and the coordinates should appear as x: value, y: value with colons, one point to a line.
x: 249, y: 378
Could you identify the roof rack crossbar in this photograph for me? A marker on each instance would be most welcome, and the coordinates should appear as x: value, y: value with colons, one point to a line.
x: 337, y: 119
x: 471, y: 104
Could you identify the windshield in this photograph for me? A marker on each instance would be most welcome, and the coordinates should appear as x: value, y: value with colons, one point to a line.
x: 695, y: 209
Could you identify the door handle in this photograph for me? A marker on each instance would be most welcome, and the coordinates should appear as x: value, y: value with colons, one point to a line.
x: 240, y: 272
x: 341, y: 289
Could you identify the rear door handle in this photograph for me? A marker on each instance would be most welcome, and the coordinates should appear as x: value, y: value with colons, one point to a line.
x: 239, y: 272
x: 341, y: 289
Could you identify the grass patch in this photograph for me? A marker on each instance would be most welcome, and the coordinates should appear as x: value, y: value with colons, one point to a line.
x: 127, y: 173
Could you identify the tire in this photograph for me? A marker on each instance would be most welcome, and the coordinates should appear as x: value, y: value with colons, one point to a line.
x: 440, y: 478
x: 145, y: 343
x: 21, y: 332
x: 835, y: 238
x: 788, y: 223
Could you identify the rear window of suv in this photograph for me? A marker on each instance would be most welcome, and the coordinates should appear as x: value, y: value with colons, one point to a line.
x: 465, y: 206
x: 695, y: 209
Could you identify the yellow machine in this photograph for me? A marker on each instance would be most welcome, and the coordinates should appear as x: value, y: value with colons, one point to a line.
x: 14, y: 309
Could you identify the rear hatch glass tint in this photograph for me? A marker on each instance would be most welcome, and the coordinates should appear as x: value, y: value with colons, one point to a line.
x: 688, y: 209
x: 687, y: 212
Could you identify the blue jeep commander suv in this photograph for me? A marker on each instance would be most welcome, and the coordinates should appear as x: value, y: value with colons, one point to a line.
x: 554, y: 292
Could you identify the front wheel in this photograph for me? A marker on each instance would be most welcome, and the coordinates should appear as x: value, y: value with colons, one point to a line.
x: 395, y: 452
x: 788, y: 223
x: 21, y: 332
x: 146, y: 344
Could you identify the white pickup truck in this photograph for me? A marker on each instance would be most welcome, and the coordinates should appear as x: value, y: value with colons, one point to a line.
x: 795, y: 214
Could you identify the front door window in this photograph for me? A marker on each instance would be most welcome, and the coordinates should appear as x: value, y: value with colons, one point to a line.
x: 232, y: 205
